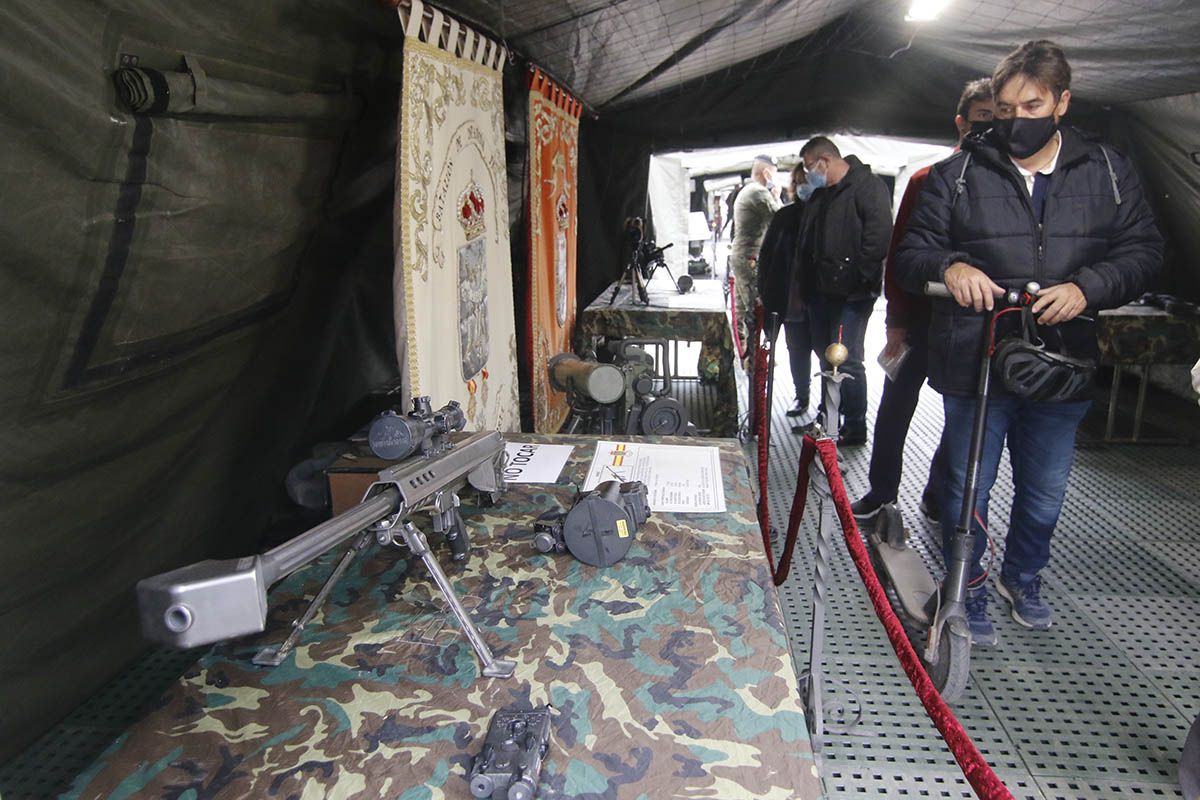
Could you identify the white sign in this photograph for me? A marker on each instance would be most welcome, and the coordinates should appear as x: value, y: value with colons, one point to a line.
x: 535, y: 463
x: 678, y: 478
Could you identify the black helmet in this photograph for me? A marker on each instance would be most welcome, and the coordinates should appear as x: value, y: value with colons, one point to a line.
x: 1030, y: 371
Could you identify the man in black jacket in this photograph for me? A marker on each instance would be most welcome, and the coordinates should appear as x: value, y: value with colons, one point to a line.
x: 1027, y: 201
x: 844, y: 236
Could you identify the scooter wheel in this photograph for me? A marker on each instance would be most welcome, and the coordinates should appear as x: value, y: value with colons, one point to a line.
x: 952, y: 671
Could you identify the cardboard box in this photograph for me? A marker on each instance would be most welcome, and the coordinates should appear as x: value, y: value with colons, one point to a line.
x: 350, y: 477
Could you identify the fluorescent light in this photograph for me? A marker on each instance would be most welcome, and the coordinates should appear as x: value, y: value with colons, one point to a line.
x: 925, y: 10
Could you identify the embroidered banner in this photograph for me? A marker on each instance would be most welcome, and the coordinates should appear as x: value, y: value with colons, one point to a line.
x: 455, y: 328
x: 553, y: 202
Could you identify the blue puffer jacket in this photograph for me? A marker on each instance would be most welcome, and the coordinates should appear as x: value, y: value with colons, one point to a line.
x: 1097, y: 232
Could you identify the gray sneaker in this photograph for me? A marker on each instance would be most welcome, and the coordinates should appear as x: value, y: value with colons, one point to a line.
x: 1028, y: 608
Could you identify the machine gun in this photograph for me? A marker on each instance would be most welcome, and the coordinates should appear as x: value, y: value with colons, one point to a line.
x: 644, y: 258
x: 626, y: 394
x: 213, y: 600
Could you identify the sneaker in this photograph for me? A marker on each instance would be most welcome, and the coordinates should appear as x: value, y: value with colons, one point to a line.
x: 867, y: 507
x: 983, y: 634
x: 798, y: 409
x: 1026, y: 600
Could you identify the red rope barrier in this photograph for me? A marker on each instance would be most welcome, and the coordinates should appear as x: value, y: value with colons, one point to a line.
x: 762, y: 420
x: 737, y: 335
x: 762, y: 423
x: 981, y: 777
x: 807, y: 451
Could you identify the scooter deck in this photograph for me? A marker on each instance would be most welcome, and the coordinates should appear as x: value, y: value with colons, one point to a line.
x: 909, y: 577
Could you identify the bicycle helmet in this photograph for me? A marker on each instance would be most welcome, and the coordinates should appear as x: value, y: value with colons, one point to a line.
x: 1030, y: 371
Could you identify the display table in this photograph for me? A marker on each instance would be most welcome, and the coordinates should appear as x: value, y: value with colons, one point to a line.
x: 1141, y: 335
x: 698, y: 316
x: 669, y: 671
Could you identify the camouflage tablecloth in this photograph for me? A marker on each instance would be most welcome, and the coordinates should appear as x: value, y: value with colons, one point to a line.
x: 669, y: 672
x: 698, y: 316
x: 1139, y: 334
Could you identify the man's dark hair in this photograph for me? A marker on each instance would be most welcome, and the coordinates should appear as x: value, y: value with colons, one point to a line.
x: 976, y: 91
x: 1042, y: 61
x: 820, y: 146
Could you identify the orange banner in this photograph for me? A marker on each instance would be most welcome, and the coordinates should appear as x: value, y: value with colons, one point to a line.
x: 553, y: 203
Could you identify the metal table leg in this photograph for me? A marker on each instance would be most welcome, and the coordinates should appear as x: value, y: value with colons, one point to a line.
x: 1141, y: 402
x: 1112, y: 403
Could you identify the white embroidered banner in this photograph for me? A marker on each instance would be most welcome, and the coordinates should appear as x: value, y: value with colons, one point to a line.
x: 455, y: 331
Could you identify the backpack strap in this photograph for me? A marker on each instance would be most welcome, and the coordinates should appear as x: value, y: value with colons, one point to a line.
x: 960, y: 184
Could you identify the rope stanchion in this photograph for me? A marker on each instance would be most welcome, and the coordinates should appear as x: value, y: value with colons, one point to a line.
x: 977, y: 771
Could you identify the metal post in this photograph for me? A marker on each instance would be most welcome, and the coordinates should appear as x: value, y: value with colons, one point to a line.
x: 1112, y: 403
x: 826, y: 520
x: 818, y: 483
x: 1141, y: 402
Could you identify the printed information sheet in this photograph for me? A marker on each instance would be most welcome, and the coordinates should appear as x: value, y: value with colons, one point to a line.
x: 535, y: 463
x: 678, y: 478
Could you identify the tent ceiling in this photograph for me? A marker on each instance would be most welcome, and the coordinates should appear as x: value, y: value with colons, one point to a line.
x: 612, y: 52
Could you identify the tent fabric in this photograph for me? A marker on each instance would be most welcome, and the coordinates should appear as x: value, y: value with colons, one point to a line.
x: 553, y: 232
x: 453, y: 287
x: 668, y: 191
x: 191, y: 91
x: 617, y: 53
x: 1160, y: 136
x: 175, y: 293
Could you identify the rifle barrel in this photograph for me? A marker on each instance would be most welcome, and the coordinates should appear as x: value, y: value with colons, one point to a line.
x: 290, y: 556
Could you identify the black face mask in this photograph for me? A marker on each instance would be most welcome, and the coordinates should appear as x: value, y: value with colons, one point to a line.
x: 1022, y: 137
x: 981, y: 125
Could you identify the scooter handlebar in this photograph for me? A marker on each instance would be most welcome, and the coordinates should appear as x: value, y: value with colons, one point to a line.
x: 1012, y: 297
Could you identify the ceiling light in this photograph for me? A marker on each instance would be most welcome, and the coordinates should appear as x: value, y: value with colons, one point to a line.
x: 925, y: 10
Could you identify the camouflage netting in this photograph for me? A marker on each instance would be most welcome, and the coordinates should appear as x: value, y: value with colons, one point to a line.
x: 669, y: 671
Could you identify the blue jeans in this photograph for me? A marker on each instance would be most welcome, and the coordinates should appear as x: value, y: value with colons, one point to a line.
x: 825, y: 316
x: 1041, y: 445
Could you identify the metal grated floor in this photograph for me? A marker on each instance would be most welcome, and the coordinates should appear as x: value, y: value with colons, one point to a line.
x: 50, y: 764
x: 1099, y: 706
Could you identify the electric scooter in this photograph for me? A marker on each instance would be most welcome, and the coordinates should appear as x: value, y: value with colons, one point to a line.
x: 921, y: 604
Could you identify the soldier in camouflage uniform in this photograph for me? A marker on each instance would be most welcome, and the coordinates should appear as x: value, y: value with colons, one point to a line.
x: 756, y: 203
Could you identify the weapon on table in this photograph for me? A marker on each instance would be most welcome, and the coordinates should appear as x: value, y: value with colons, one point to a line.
x: 631, y: 392
x: 213, y: 600
x: 600, y: 525
x: 514, y: 750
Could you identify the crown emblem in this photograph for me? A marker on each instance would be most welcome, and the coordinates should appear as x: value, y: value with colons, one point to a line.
x: 470, y: 211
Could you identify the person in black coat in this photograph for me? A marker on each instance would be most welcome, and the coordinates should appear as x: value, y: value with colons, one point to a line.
x: 844, y: 235
x: 781, y: 291
x: 1029, y: 200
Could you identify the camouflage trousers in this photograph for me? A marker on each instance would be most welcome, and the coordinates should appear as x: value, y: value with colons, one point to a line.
x: 745, y: 273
